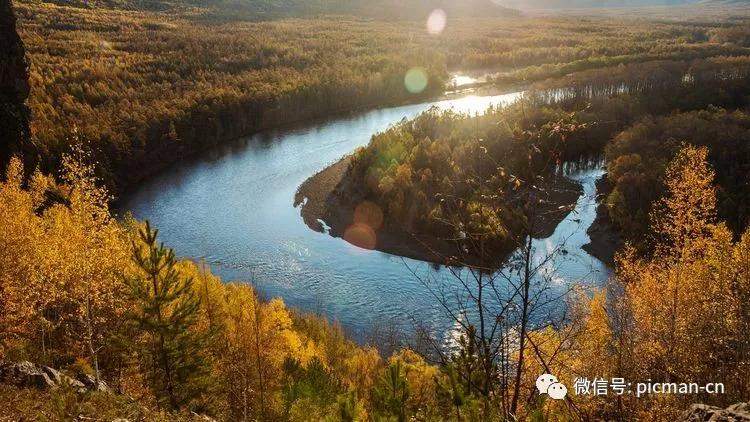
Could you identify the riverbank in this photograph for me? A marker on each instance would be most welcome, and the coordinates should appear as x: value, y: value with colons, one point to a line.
x: 328, y: 201
x: 605, y: 239
x: 158, y: 161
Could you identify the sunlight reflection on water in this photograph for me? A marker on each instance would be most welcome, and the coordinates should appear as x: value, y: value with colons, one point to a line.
x: 461, y: 80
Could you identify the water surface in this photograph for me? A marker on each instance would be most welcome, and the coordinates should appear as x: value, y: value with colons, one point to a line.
x: 234, y: 210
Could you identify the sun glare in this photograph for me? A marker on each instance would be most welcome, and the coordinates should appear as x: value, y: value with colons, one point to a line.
x: 436, y: 22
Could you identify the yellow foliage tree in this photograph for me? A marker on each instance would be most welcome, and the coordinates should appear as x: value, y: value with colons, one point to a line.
x: 421, y: 379
x: 681, y: 314
x: 688, y: 210
x: 259, y: 337
x: 61, y: 265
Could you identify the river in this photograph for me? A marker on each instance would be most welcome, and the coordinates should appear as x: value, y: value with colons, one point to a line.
x: 233, y: 209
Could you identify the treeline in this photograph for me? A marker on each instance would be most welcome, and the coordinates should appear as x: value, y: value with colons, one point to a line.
x: 721, y: 80
x: 673, y: 53
x: 259, y: 10
x: 89, y: 295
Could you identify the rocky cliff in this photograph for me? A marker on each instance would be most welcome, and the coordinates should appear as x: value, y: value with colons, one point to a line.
x: 14, y: 89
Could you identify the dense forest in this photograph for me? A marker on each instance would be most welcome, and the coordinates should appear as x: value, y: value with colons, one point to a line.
x: 639, y: 156
x: 143, y: 88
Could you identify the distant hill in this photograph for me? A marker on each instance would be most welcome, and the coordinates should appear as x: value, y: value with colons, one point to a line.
x: 417, y: 9
x: 269, y: 9
x: 587, y: 4
x: 725, y: 2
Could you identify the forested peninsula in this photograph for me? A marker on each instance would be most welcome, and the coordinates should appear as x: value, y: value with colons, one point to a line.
x: 445, y: 176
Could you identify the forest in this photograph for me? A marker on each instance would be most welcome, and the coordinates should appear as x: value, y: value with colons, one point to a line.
x: 276, y: 9
x: 143, y: 88
x: 124, y: 328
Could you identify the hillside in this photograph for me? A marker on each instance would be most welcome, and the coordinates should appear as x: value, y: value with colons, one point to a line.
x: 587, y: 4
x: 724, y: 2
x: 273, y: 9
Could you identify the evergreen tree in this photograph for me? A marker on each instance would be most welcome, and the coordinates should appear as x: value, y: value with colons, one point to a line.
x: 165, y: 315
x: 393, y: 392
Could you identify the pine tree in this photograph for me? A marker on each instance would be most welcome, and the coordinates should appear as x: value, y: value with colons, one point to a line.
x: 169, y: 346
x: 393, y: 392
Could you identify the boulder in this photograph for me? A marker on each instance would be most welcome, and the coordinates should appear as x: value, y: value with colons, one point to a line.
x: 739, y: 412
x: 61, y: 379
x: 53, y: 374
x: 26, y: 374
x: 29, y: 375
x: 89, y: 381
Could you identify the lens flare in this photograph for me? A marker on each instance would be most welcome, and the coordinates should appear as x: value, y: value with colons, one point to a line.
x: 370, y: 214
x: 368, y: 217
x: 361, y: 235
x: 415, y: 80
x: 436, y: 22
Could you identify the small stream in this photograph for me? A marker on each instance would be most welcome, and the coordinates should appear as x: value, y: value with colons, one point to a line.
x: 233, y: 209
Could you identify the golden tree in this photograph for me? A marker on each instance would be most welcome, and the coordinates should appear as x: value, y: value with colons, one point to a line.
x: 681, y: 314
x: 688, y: 210
x: 62, y: 255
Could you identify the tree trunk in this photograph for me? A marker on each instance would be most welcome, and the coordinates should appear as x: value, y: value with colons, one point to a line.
x: 90, y: 340
x: 524, y: 322
x: 261, y: 382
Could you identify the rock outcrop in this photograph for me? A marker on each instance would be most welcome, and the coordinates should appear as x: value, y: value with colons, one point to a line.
x: 29, y: 375
x: 14, y: 89
x: 739, y: 412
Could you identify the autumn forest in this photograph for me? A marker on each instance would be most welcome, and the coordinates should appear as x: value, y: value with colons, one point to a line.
x: 373, y: 211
